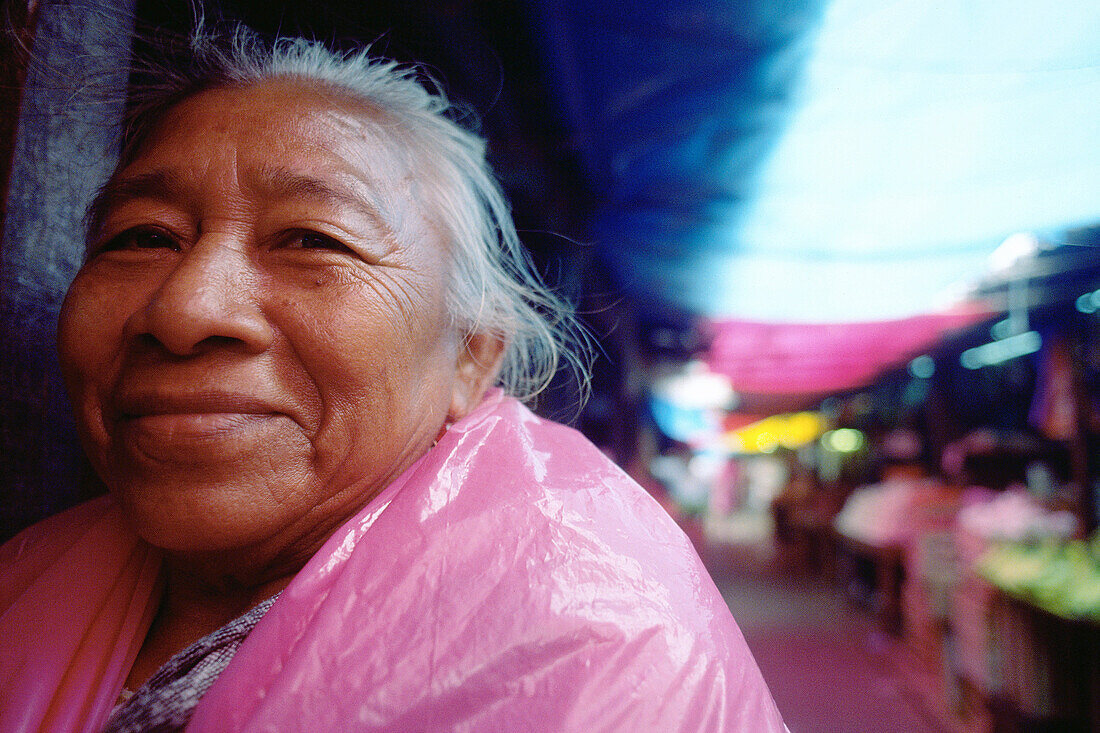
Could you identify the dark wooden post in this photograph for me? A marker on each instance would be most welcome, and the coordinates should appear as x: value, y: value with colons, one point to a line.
x: 1084, y: 463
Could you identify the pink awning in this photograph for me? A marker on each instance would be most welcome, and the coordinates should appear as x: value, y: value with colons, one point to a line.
x: 800, y: 358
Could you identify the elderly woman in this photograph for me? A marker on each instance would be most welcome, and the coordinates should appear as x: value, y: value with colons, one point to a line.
x: 301, y: 287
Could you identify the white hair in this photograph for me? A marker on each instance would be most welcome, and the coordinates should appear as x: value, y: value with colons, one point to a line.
x: 493, y: 287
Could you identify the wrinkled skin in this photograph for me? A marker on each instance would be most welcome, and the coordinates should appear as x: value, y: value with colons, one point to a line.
x: 258, y: 343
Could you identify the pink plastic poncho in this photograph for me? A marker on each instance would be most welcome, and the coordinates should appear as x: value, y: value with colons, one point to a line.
x: 512, y: 579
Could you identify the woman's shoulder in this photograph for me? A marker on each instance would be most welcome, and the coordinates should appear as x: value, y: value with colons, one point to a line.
x: 522, y: 581
x: 39, y: 546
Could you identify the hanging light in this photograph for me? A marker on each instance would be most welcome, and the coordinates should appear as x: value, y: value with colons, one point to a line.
x: 1014, y: 250
x: 997, y: 352
x: 1089, y: 302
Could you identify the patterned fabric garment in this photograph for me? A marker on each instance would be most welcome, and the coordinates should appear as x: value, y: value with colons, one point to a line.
x: 167, y: 700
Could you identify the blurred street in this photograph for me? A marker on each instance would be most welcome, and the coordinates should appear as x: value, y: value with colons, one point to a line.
x: 828, y: 666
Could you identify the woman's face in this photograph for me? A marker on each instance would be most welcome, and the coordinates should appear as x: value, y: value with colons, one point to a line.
x: 257, y: 343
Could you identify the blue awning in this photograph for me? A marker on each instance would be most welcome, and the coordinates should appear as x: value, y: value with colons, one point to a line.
x: 810, y: 162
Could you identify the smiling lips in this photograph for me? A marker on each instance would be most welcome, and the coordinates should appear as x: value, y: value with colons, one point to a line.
x: 149, y: 419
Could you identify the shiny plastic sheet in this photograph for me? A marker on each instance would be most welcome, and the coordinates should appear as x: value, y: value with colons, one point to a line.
x: 77, y: 594
x: 512, y: 579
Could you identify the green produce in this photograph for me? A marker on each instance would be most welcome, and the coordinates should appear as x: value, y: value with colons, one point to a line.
x: 1063, y: 578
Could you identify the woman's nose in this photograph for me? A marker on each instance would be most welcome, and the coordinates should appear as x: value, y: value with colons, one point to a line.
x: 208, y: 300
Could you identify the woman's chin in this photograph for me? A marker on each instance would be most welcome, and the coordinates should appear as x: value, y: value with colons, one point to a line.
x: 197, y: 519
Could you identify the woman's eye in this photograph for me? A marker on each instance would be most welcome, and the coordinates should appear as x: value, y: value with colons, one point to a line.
x: 314, y: 240
x: 140, y: 238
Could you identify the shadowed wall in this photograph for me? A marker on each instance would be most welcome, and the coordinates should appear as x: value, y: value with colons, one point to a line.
x: 64, y: 148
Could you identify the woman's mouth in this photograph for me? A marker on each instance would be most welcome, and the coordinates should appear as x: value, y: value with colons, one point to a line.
x: 194, y: 428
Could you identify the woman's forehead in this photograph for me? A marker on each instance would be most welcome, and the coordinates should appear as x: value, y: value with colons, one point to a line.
x: 283, y: 123
x: 280, y: 136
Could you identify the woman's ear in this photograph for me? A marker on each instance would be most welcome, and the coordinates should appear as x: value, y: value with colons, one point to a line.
x: 479, y: 360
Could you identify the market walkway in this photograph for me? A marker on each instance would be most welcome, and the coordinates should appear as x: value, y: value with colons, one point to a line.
x: 828, y: 667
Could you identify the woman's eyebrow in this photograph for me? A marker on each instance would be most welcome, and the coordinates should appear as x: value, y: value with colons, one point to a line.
x: 287, y: 184
x: 283, y: 183
x: 274, y: 182
x: 165, y: 185
x: 160, y: 185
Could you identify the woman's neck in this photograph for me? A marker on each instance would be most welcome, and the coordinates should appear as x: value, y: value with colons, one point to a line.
x: 191, y: 608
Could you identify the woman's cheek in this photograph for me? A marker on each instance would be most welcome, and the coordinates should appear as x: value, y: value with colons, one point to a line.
x: 74, y: 337
x: 89, y: 340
